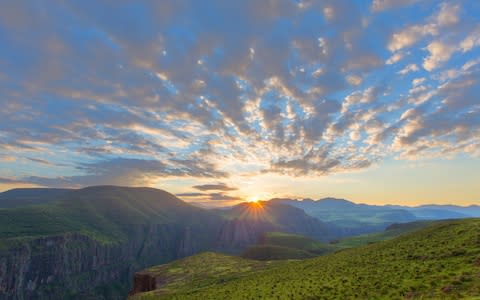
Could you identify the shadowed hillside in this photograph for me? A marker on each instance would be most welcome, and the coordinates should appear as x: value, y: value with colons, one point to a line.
x: 280, y: 245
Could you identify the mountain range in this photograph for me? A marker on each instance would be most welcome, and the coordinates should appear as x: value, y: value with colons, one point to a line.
x: 76, y: 244
x: 356, y: 218
x: 88, y: 243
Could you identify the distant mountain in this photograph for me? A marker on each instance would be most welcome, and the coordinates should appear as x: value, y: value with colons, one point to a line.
x: 352, y: 218
x: 437, y: 212
x: 271, y: 216
x: 356, y: 218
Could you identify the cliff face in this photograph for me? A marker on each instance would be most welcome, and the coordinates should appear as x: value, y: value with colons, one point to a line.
x: 76, y: 266
x: 237, y: 234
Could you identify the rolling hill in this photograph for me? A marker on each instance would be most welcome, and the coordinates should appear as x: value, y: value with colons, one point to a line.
x: 392, y: 231
x: 440, y: 261
x: 281, y: 245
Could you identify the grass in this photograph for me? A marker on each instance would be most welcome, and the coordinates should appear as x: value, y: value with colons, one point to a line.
x: 296, y: 241
x: 198, y: 271
x: 272, y: 252
x: 441, y: 261
x: 391, y: 232
x: 281, y: 245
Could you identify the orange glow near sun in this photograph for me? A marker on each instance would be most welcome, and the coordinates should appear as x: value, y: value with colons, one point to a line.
x: 253, y: 199
x: 256, y: 211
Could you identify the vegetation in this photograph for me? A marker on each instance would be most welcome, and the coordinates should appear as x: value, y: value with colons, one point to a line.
x: 295, y: 241
x: 102, y: 213
x: 390, y: 232
x: 281, y: 245
x: 441, y: 261
x: 195, y: 272
x: 272, y: 252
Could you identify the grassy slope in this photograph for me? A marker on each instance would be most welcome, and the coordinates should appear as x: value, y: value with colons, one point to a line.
x: 272, y: 252
x: 391, y: 232
x: 280, y: 245
x: 103, y: 213
x: 296, y: 241
x: 441, y: 261
x: 198, y: 271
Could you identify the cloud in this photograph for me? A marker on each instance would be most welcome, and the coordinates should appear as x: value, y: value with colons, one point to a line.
x: 396, y: 57
x: 133, y: 93
x: 471, y: 41
x: 127, y: 171
x: 409, y: 68
x: 11, y: 180
x: 380, y: 5
x: 409, y: 36
x: 446, y: 16
x: 215, y: 187
x: 439, y: 53
x: 209, y: 196
x: 418, y: 81
x: 190, y: 194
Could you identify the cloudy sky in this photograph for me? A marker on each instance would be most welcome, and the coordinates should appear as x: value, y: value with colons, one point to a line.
x: 220, y: 101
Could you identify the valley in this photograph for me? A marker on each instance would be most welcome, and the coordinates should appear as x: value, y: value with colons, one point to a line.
x: 440, y: 261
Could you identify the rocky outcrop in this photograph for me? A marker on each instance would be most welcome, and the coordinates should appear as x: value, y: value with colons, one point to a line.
x: 143, y: 282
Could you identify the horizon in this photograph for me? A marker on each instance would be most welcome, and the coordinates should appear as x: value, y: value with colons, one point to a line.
x: 211, y: 205
x: 219, y: 103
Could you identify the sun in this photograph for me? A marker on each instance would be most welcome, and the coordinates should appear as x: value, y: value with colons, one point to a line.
x: 254, y: 198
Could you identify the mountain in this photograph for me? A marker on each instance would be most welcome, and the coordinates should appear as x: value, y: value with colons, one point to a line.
x: 266, y: 216
x: 350, y: 217
x: 88, y: 242
x: 57, y: 244
x: 32, y: 196
x: 440, y: 261
x: 436, y: 212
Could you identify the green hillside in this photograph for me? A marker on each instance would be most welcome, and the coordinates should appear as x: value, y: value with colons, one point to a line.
x: 272, y: 252
x: 441, y: 261
x: 281, y: 245
x: 390, y: 232
x: 295, y: 241
x: 196, y: 272
x: 104, y: 213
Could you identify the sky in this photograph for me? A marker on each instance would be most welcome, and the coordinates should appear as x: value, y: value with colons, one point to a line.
x: 225, y: 101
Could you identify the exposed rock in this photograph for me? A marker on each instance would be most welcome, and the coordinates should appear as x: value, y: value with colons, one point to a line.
x: 143, y: 282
